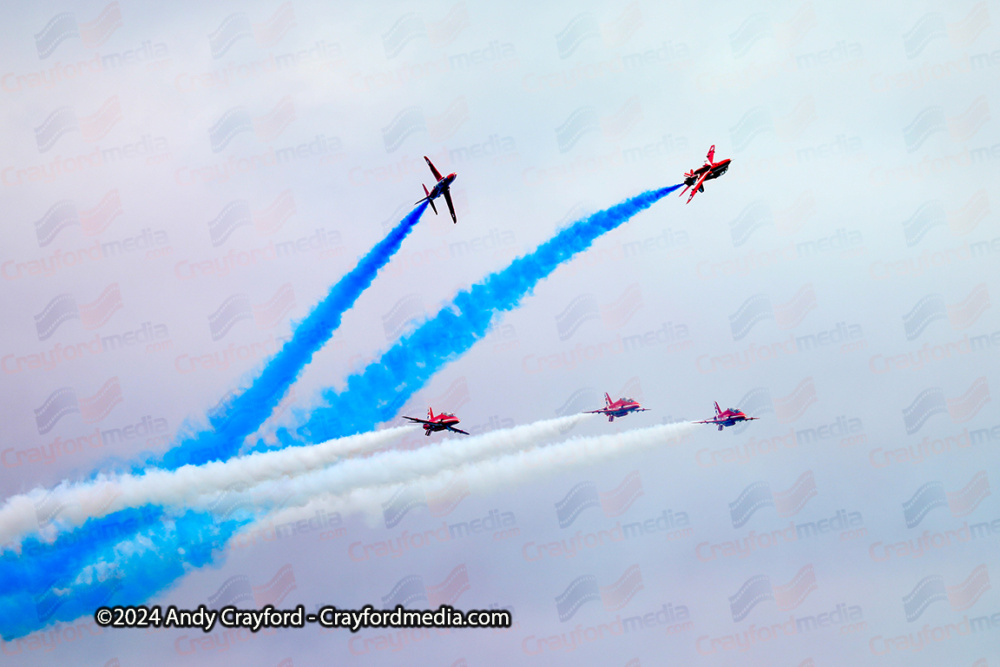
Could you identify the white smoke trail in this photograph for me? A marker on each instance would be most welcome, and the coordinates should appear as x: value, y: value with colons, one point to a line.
x: 70, y: 505
x: 324, y: 490
x: 395, y: 467
x: 67, y: 506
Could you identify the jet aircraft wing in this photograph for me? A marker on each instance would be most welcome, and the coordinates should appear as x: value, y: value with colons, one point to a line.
x: 420, y: 421
x: 437, y: 174
x: 451, y: 207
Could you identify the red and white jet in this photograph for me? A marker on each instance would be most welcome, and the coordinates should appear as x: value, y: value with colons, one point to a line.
x: 727, y: 418
x: 440, y: 188
x: 619, y: 408
x: 695, y: 179
x: 441, y: 422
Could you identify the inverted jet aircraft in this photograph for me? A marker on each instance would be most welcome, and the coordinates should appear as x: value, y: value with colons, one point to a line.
x: 695, y: 179
x: 727, y: 418
x: 619, y: 408
x: 440, y: 188
x: 440, y: 422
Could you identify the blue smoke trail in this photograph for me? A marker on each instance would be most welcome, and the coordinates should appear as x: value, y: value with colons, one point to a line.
x: 122, y: 559
x: 380, y: 390
x: 26, y: 582
x: 175, y: 546
x: 245, y: 413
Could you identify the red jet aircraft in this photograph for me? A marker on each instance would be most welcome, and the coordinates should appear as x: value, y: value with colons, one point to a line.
x: 728, y: 418
x: 441, y: 422
x: 695, y: 179
x: 619, y: 408
x: 440, y: 188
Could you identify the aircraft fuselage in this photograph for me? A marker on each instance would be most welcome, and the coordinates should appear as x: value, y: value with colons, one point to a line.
x: 622, y: 411
x: 730, y: 419
x: 440, y: 425
x: 441, y: 186
x: 715, y: 170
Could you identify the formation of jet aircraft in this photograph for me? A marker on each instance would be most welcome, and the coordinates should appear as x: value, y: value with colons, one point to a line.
x: 620, y: 408
x: 694, y: 180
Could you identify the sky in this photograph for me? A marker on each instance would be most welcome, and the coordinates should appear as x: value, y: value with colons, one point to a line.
x: 184, y: 184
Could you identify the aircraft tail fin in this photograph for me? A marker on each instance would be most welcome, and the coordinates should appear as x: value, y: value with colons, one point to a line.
x: 607, y: 400
x: 430, y: 413
x: 429, y: 200
x: 711, y: 154
x: 718, y: 410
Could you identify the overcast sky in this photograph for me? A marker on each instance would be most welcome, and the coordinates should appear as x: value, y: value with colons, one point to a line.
x: 182, y: 184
